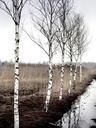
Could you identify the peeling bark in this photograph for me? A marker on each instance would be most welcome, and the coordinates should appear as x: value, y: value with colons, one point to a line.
x: 16, y: 86
x: 70, y: 81
x: 80, y: 70
x: 62, y: 77
x: 16, y: 67
x: 75, y: 75
x: 49, y: 90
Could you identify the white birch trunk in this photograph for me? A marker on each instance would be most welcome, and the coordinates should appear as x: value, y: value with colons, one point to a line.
x: 16, y: 86
x: 16, y: 70
x: 15, y: 13
x: 75, y: 75
x: 70, y: 81
x: 80, y: 70
x: 62, y: 77
x: 49, y: 90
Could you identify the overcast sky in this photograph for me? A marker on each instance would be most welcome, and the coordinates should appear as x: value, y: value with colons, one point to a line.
x: 32, y: 53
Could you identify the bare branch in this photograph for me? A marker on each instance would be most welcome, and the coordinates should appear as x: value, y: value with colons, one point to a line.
x: 39, y: 44
x: 6, y: 8
x: 55, y: 50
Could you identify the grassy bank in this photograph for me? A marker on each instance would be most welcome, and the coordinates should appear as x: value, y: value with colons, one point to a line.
x: 33, y: 85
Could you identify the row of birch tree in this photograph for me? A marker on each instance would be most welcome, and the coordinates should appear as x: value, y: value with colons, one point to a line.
x: 61, y: 28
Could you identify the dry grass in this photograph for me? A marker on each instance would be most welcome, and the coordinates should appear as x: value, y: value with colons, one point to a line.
x: 34, y: 78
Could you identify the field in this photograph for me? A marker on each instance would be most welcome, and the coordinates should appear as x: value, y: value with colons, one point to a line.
x: 33, y: 86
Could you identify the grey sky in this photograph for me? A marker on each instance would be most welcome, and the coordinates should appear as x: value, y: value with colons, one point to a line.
x: 88, y: 9
x: 30, y: 52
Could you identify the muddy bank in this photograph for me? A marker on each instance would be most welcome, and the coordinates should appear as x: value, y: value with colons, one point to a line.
x: 31, y: 108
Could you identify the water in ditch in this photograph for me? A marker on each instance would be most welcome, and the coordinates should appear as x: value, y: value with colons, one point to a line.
x: 83, y: 112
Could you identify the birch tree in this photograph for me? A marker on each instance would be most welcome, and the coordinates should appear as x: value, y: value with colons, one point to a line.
x: 45, y: 21
x: 70, y: 48
x: 80, y: 41
x: 65, y: 6
x: 77, y: 53
x: 76, y: 59
x: 14, y: 10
